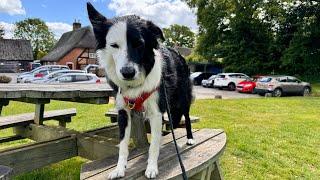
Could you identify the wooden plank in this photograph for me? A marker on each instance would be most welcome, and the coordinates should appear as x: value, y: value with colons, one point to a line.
x: 39, y: 112
x: 5, y: 172
x: 10, y: 138
x: 95, y: 167
x: 52, y: 91
x: 138, y: 130
x: 27, y: 118
x: 30, y: 157
x: 40, y: 133
x: 195, y: 160
x: 137, y: 165
x: 96, y: 147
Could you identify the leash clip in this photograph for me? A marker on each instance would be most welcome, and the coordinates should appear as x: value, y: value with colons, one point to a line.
x: 131, y: 104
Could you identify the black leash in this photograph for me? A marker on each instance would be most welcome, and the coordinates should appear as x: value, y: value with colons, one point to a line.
x: 184, y: 174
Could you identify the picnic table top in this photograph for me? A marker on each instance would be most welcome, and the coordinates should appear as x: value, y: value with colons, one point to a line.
x: 52, y: 91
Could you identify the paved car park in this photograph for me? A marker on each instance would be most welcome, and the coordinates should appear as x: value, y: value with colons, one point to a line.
x: 210, y: 93
x: 199, y: 91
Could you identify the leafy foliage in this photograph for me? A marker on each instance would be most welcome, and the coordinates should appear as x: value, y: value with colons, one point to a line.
x: 2, y: 32
x: 259, y: 36
x: 38, y: 33
x: 177, y: 35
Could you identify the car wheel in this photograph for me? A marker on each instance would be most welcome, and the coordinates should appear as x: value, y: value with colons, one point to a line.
x: 277, y: 92
x: 231, y: 86
x: 306, y: 91
x: 261, y: 94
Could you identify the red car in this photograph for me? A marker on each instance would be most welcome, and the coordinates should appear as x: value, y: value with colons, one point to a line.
x: 247, y: 86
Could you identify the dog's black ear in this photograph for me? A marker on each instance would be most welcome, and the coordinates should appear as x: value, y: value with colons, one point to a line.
x: 100, y: 25
x: 156, y: 31
x: 95, y: 17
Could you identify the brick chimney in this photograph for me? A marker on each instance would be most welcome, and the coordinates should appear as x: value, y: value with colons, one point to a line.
x: 76, y: 25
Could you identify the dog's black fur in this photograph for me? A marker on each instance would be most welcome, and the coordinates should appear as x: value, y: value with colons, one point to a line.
x: 142, y: 38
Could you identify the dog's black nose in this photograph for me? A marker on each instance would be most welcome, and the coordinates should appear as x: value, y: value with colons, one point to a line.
x: 128, y: 72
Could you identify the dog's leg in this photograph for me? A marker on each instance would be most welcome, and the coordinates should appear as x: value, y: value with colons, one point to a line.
x: 190, y: 140
x: 124, y: 122
x: 155, y: 118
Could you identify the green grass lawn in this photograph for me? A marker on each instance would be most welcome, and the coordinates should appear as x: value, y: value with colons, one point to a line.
x: 316, y: 89
x: 268, y: 138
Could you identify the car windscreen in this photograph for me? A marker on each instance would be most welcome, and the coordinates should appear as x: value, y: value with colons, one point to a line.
x: 221, y: 76
x: 195, y: 74
x: 265, y: 79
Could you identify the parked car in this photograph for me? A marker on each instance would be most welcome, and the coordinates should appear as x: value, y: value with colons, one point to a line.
x: 281, y: 85
x: 33, y: 66
x: 91, y: 68
x: 197, y: 77
x: 79, y: 78
x: 208, y: 82
x: 229, y: 80
x: 248, y: 85
x: 40, y: 72
x: 54, y: 75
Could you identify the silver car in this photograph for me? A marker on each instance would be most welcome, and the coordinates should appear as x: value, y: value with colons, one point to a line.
x: 281, y: 85
x: 79, y: 78
x: 54, y: 75
x: 39, y: 72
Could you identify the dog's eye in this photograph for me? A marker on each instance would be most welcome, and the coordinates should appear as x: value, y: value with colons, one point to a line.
x: 114, y: 45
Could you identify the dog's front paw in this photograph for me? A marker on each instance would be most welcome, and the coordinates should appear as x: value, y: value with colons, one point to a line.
x: 190, y: 142
x: 151, y: 172
x: 117, y: 173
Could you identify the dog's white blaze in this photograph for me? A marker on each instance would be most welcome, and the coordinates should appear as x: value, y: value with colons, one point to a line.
x: 151, y: 82
x: 117, y: 34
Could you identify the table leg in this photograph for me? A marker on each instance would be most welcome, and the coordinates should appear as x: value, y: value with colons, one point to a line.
x: 216, y: 173
x: 38, y: 117
x: 138, y: 130
x: 3, y: 102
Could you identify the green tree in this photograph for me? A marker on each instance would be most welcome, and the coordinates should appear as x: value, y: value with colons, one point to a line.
x: 2, y: 32
x: 38, y: 33
x: 302, y: 55
x: 177, y: 35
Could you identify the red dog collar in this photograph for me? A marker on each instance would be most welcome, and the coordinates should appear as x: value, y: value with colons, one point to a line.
x: 137, y: 104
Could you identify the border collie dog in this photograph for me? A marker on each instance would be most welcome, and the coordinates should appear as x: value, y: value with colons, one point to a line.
x: 138, y: 66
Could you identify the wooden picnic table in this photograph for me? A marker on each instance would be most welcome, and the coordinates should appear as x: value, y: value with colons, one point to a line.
x: 54, y: 144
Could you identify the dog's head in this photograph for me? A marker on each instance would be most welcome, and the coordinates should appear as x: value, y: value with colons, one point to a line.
x: 127, y: 43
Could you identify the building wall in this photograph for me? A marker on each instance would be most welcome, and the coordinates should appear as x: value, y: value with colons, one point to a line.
x: 78, y: 58
x: 71, y: 57
x: 13, y: 66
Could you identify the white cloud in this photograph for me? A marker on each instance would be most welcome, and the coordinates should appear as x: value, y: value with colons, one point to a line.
x: 8, y: 28
x: 12, y: 7
x: 57, y: 28
x: 161, y: 12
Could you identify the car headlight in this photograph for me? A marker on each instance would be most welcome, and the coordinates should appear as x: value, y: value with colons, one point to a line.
x: 247, y: 85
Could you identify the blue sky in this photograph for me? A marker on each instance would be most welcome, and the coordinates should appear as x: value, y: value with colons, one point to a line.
x: 60, y: 14
x: 65, y: 11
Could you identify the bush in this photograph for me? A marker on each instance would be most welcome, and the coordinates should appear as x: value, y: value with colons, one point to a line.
x: 5, y: 79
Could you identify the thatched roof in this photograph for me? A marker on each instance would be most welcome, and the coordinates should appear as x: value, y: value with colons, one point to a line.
x: 15, y: 49
x: 80, y: 38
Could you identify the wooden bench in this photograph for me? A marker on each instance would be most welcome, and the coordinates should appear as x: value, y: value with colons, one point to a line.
x: 63, y: 116
x: 5, y: 172
x: 113, y: 114
x: 200, y: 160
